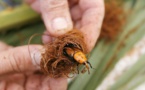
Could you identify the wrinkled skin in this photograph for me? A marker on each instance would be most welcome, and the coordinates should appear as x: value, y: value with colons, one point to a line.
x: 17, y: 67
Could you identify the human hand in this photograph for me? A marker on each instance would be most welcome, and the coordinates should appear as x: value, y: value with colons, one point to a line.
x: 60, y: 16
x: 16, y: 66
x: 17, y: 70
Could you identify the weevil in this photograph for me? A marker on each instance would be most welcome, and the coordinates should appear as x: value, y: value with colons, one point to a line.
x: 76, y: 55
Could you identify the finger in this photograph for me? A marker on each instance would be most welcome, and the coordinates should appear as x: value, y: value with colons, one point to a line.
x: 46, y: 38
x: 34, y: 82
x: 93, y: 14
x: 54, y: 84
x: 76, y: 13
x: 60, y: 82
x: 4, y: 46
x: 14, y: 86
x: 72, y: 2
x: 45, y: 83
x: 56, y: 16
x: 35, y: 4
x: 18, y: 59
x: 30, y: 1
x: 78, y: 24
x: 2, y: 85
x: 18, y: 78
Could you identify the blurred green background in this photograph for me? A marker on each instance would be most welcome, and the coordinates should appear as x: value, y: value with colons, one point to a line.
x: 18, y: 22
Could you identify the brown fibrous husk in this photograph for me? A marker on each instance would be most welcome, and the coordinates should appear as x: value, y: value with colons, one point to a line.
x: 54, y: 63
x: 113, y: 21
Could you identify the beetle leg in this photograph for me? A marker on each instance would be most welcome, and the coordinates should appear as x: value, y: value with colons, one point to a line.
x: 86, y: 64
x: 89, y: 64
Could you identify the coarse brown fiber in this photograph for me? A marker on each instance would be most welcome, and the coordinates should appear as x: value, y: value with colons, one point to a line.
x: 113, y: 21
x: 54, y: 62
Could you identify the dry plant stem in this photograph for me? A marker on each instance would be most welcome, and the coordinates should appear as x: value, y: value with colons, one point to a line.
x: 54, y: 63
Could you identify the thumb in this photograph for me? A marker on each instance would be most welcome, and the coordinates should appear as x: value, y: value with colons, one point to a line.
x: 56, y: 16
x: 19, y: 59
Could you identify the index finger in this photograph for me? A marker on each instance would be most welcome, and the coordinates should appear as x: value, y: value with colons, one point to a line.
x: 91, y: 22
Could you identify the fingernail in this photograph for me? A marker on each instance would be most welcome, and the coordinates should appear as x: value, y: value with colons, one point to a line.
x: 59, y: 23
x: 36, y: 56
